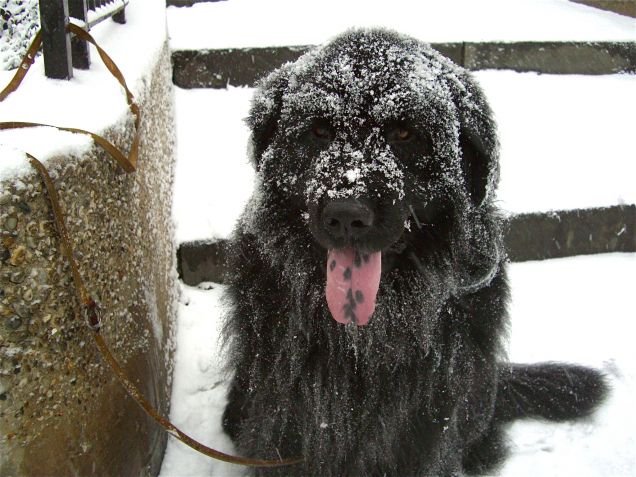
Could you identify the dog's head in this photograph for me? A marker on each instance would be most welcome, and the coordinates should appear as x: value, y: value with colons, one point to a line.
x: 368, y: 141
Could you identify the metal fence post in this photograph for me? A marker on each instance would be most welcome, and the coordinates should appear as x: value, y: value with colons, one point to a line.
x: 56, y: 42
x: 120, y: 16
x: 80, y: 51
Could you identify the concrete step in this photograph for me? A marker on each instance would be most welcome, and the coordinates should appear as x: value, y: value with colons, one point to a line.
x: 243, y: 66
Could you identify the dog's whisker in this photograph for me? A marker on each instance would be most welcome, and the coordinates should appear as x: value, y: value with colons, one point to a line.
x: 417, y: 220
x: 416, y: 260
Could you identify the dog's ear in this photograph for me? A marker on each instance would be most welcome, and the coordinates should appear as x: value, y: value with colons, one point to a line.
x: 265, y: 112
x: 478, y: 144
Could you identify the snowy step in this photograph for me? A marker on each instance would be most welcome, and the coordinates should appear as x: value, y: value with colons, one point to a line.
x: 243, y: 66
x: 249, y: 24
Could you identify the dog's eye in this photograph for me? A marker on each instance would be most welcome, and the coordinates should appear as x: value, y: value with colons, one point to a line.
x: 321, y: 132
x: 399, y: 134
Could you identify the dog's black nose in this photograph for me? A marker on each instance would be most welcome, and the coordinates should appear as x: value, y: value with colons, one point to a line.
x: 347, y: 218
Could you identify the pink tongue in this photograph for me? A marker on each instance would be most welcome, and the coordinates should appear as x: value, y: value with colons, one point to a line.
x: 353, y: 279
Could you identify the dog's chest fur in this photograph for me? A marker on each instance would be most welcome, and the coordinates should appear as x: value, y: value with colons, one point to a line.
x: 354, y: 402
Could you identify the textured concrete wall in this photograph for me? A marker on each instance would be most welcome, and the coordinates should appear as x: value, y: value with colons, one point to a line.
x: 62, y: 412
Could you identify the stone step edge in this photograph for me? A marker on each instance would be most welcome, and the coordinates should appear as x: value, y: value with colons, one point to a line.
x: 531, y: 236
x: 218, y: 68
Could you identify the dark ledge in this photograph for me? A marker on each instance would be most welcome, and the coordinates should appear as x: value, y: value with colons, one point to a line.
x: 540, y: 236
x: 535, y: 236
x: 243, y: 66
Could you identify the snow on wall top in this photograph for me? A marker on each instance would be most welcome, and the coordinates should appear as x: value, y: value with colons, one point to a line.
x: 254, y: 23
x: 92, y: 100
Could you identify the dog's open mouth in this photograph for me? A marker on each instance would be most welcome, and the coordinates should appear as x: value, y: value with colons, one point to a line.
x: 353, y: 278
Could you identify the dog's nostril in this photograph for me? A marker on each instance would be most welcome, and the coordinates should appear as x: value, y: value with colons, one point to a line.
x: 358, y: 224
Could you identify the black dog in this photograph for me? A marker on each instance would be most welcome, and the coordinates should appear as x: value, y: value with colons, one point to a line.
x: 377, y: 162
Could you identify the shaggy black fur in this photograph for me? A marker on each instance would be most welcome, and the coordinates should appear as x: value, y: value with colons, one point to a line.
x: 401, y: 141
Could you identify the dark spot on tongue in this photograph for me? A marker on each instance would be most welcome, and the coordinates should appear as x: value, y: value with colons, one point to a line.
x: 349, y: 307
x: 352, y: 302
x: 359, y: 296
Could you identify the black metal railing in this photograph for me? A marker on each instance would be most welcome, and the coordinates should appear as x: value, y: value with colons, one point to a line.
x: 62, y: 51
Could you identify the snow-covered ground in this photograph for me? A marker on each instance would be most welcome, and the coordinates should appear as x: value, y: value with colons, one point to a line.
x: 579, y: 310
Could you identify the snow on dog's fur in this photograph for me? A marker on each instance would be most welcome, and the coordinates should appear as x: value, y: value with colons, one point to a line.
x: 368, y: 292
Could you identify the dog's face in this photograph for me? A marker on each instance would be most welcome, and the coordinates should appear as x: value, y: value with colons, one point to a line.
x: 367, y: 141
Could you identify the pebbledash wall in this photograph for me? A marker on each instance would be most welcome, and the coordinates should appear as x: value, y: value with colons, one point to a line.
x: 62, y: 412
